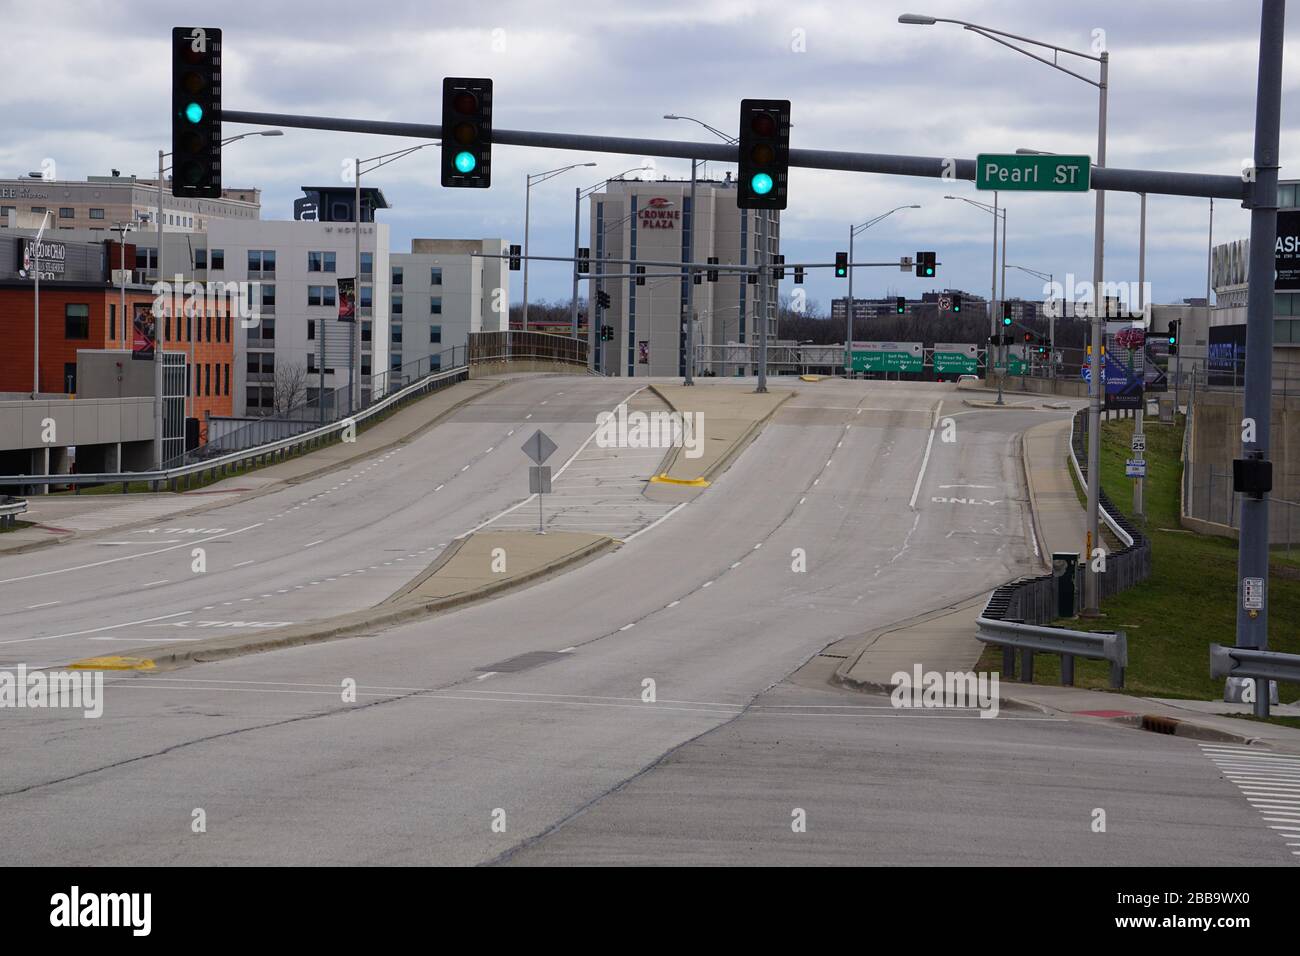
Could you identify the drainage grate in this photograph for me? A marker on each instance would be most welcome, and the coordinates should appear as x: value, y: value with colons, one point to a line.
x: 523, y: 662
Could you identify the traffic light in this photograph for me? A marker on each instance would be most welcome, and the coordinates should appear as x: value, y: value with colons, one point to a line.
x: 841, y: 265
x: 602, y: 299
x: 925, y: 265
x: 1029, y: 337
x: 1173, y: 338
x: 798, y: 275
x: 640, y: 275
x: 956, y: 303
x: 1006, y: 313
x: 779, y: 262
x: 515, y: 253
x: 764, y: 150
x: 196, y: 112
x: 607, y: 333
x: 900, y: 305
x: 584, y: 260
x: 467, y: 132
x: 713, y: 273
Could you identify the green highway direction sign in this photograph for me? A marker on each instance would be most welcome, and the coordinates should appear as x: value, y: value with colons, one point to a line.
x: 887, y: 357
x: 1032, y: 172
x: 955, y: 358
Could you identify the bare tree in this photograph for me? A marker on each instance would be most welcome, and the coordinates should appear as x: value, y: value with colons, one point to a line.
x: 290, y: 387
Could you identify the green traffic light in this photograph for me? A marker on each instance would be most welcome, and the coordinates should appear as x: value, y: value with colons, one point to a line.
x: 761, y: 184
x: 194, y: 112
x: 929, y: 271
x: 465, y: 162
x: 1006, y: 321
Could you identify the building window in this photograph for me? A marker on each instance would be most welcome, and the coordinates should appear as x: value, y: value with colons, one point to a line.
x: 268, y: 295
x: 395, y: 334
x: 395, y: 361
x: 261, y: 260
x: 367, y: 263
x: 329, y: 261
x: 207, y: 380
x: 1286, y: 195
x: 365, y: 365
x: 314, y: 260
x: 210, y: 328
x: 366, y: 299
x: 268, y: 329
x: 311, y: 330
x: 227, y: 391
x: 218, y: 258
x: 320, y: 295
x: 96, y: 214
x: 67, y: 212
x: 228, y: 338
x: 435, y: 334
x: 435, y: 362
x: 397, y: 275
x: 76, y: 321
x: 397, y: 305
x: 200, y: 258
x: 38, y: 209
x: 112, y: 321
x: 435, y: 305
x: 435, y: 276
x: 365, y: 331
x: 254, y: 397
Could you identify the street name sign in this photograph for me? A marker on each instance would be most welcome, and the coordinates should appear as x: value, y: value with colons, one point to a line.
x: 1033, y: 173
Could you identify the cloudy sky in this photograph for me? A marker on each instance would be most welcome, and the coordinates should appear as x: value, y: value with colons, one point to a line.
x: 87, y: 84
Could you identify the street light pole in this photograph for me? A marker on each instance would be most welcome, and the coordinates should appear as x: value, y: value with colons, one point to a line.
x: 848, y: 320
x: 529, y: 180
x: 1139, y: 507
x: 690, y: 287
x: 1095, y: 391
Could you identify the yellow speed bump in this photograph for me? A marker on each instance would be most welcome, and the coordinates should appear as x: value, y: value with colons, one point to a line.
x: 811, y: 378
x: 114, y: 663
x: 692, y: 482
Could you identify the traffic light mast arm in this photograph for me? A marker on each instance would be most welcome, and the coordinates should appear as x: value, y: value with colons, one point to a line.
x: 718, y: 266
x: 1154, y: 182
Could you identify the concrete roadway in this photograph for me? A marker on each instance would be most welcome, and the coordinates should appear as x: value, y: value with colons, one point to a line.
x: 530, y: 711
x: 335, y: 543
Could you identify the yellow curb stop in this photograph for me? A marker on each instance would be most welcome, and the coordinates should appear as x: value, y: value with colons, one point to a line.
x: 114, y: 664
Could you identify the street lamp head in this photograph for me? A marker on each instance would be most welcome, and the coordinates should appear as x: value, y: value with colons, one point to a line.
x: 917, y: 19
x: 671, y: 116
x: 913, y: 206
x: 271, y: 132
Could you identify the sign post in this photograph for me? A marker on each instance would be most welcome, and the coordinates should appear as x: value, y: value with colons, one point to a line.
x: 539, y: 447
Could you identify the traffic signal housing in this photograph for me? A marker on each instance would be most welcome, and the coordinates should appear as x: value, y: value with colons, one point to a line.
x: 925, y: 262
x: 196, y: 112
x: 602, y: 299
x: 607, y: 333
x: 779, y: 262
x: 841, y: 265
x: 900, y: 305
x: 764, y: 154
x: 640, y: 275
x: 584, y: 260
x: 956, y: 303
x: 713, y: 273
x: 1006, y: 313
x: 1173, y: 338
x: 515, y: 253
x: 798, y: 275
x: 467, y: 132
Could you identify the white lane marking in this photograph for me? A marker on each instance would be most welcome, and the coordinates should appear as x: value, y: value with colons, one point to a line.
x: 920, y: 476
x: 657, y: 521
x: 968, y: 486
x: 489, y: 450
x: 626, y: 627
x: 674, y: 603
x: 130, y: 557
x: 736, y: 565
x: 509, y: 433
x: 466, y: 468
x: 757, y: 546
x: 706, y: 584
x: 567, y: 650
x: 485, y: 676
x: 33, y: 607
x: 95, y: 630
x: 803, y: 499
x: 313, y: 544
x: 440, y: 487
x: 242, y: 563
x: 152, y: 583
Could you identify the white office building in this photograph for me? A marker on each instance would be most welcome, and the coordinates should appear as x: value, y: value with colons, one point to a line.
x: 296, y: 264
x: 440, y: 292
x: 651, y: 221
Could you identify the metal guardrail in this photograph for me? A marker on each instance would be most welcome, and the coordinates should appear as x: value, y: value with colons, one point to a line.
x: 1248, y: 662
x: 10, y: 508
x: 1015, y: 618
x: 260, y: 454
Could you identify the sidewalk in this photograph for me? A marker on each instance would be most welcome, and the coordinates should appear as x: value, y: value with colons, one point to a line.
x: 63, y: 517
x: 1059, y: 521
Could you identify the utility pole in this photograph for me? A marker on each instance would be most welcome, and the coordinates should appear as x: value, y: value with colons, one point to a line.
x: 690, y: 288
x: 354, y: 353
x: 761, y: 262
x: 1252, y: 549
x: 160, y: 318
